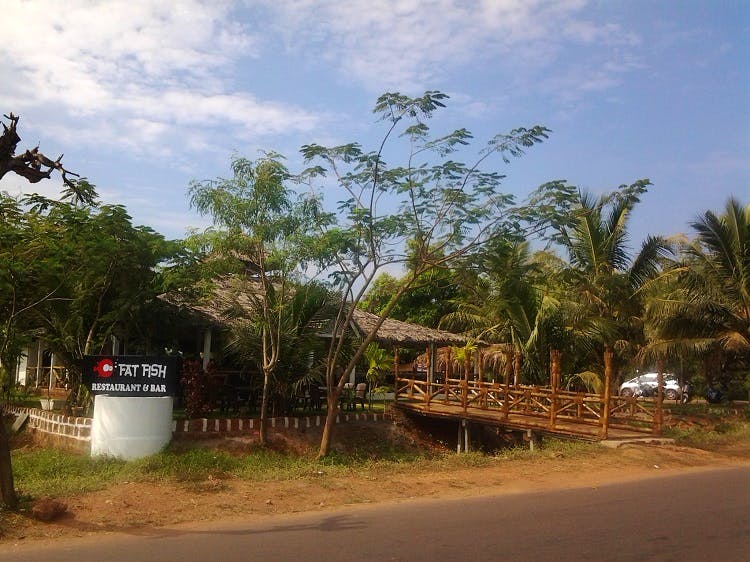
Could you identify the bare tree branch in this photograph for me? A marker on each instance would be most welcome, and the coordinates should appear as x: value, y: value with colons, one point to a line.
x: 31, y: 164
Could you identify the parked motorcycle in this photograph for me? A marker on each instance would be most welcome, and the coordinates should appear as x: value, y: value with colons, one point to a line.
x: 686, y: 394
x: 714, y: 395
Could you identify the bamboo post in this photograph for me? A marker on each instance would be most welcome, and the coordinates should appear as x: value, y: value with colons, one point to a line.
x: 465, y: 389
x: 659, y: 414
x: 428, y: 352
x: 554, y: 361
x: 480, y: 375
x: 517, y: 368
x: 448, y: 373
x: 434, y: 361
x: 395, y: 377
x: 552, y: 369
x: 608, y: 358
x: 430, y: 374
x: 508, y: 369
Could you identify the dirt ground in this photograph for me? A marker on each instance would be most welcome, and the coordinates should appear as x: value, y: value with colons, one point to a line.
x: 139, y: 505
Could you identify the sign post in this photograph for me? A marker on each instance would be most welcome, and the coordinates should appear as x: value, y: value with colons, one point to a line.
x: 133, y: 399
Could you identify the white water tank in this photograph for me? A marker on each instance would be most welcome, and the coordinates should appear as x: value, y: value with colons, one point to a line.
x: 130, y: 427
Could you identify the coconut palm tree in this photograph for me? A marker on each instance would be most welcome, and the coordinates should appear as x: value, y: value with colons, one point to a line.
x: 603, y: 281
x: 704, y: 306
x: 508, y: 302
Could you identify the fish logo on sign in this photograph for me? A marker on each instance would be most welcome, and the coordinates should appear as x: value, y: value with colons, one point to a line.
x: 104, y: 368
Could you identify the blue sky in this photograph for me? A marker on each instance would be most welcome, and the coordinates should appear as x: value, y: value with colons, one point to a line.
x: 142, y: 96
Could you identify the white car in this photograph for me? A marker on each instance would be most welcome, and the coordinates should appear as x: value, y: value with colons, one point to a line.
x: 645, y: 385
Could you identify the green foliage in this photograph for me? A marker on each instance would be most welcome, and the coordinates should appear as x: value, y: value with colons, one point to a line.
x: 601, y: 288
x: 507, y: 301
x: 425, y: 212
x: 266, y: 236
x: 53, y: 472
x: 587, y: 381
x: 301, y: 348
x: 104, y: 280
x: 701, y: 309
x: 441, y: 206
x: 76, y: 271
x: 379, y: 363
x: 431, y: 297
x: 732, y: 437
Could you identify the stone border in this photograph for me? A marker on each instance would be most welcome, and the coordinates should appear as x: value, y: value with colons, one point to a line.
x: 75, y: 432
x: 70, y: 427
x: 238, y: 425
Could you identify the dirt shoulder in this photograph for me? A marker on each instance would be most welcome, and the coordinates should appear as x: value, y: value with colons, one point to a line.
x: 137, y: 505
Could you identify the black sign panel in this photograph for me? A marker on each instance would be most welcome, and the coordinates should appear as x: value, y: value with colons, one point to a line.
x: 130, y: 375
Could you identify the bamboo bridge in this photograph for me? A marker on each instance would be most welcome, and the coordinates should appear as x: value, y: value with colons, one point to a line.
x: 543, y: 410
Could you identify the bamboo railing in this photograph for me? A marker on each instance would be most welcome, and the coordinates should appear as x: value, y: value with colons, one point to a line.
x: 560, y: 410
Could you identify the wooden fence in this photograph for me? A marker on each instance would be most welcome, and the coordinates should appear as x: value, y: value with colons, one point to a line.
x: 550, y: 409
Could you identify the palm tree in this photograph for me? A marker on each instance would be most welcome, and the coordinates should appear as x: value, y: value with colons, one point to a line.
x: 379, y: 362
x: 704, y: 308
x: 508, y: 303
x: 603, y: 280
x: 299, y: 316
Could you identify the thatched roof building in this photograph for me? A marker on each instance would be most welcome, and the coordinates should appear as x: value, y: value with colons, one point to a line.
x: 217, y: 305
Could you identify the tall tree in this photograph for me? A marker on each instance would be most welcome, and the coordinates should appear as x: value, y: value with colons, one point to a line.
x: 106, y: 278
x: 34, y: 166
x: 266, y: 228
x: 704, y: 307
x: 604, y: 279
x: 427, y: 211
x: 509, y: 300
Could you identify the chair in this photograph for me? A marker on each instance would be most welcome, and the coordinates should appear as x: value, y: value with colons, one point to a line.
x: 315, y: 398
x: 346, y: 399
x: 360, y: 393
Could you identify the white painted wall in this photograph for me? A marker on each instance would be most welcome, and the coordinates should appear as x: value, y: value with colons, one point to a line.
x: 130, y: 428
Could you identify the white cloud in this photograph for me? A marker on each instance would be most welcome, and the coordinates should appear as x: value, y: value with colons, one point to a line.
x: 16, y: 186
x: 139, y: 73
x: 411, y: 45
x: 158, y: 78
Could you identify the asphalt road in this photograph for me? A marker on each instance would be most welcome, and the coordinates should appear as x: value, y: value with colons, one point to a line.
x: 698, y: 516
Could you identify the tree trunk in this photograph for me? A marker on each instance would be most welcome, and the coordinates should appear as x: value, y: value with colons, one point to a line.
x: 335, y: 387
x: 7, y: 488
x: 263, y: 433
x: 517, y: 359
x: 608, y: 372
x: 331, y: 413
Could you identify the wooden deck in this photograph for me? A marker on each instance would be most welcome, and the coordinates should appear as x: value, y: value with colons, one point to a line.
x: 541, y: 409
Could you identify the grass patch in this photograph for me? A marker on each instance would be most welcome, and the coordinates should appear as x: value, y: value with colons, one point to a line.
x: 53, y: 472
x: 727, y: 437
x: 707, y: 411
x: 57, y: 473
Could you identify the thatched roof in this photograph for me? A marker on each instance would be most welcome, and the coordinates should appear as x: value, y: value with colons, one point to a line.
x: 214, y: 306
x: 228, y: 291
x: 397, y: 332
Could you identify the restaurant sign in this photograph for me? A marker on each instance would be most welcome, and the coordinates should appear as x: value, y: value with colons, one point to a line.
x: 130, y: 375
